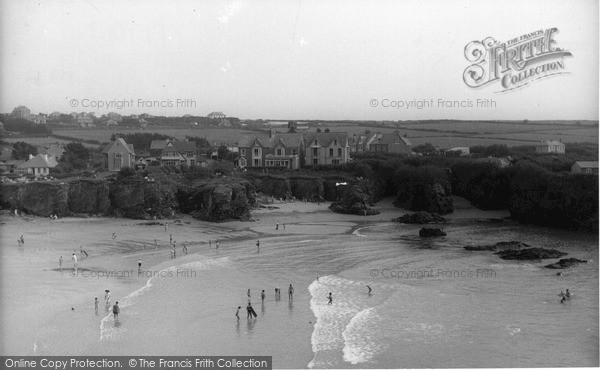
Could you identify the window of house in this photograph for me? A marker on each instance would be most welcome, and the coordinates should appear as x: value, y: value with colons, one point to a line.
x: 243, y: 152
x: 316, y: 152
x: 294, y: 152
x: 256, y: 152
x: 340, y: 152
x: 588, y: 170
x: 316, y: 161
x: 257, y: 162
x: 331, y: 152
x: 279, y: 151
x: 335, y: 161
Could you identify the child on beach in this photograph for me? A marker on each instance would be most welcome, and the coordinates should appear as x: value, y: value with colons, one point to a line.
x: 96, y: 304
x: 116, y: 311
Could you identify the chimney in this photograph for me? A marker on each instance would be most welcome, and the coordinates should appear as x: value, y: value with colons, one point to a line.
x: 30, y: 156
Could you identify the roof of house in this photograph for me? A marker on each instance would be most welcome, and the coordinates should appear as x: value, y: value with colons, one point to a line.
x: 587, y: 164
x: 288, y: 139
x: 325, y: 138
x: 182, y: 146
x: 119, y: 142
x: 39, y: 161
x: 216, y: 114
x: 392, y: 138
x: 246, y: 141
x: 550, y: 142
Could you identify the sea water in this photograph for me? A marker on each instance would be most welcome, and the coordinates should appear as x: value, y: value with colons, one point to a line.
x: 432, y: 304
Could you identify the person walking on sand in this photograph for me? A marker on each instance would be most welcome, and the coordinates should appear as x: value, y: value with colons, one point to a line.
x: 60, y: 261
x: 249, y: 309
x: 107, y: 299
x: 276, y: 294
x: 237, y: 313
x: 96, y: 304
x: 330, y: 298
x: 139, y: 264
x: 258, y: 246
x: 291, y: 292
x: 74, y: 259
x: 248, y: 295
x: 116, y: 311
x: 114, y: 235
x: 277, y: 225
x: 262, y: 296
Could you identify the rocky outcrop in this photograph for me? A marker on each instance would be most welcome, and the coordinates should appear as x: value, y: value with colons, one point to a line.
x: 353, y: 200
x: 37, y: 198
x: 530, y: 254
x: 140, y: 198
x: 428, y: 232
x: 220, y: 201
x: 565, y: 263
x: 89, y: 197
x: 512, y: 245
x: 420, y: 218
x: 434, y: 198
x: 309, y: 188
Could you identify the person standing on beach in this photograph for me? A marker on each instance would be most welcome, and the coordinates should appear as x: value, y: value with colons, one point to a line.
x: 96, y: 304
x: 291, y: 292
x: 60, y: 260
x: 248, y: 295
x: 237, y: 313
x: 330, y: 297
x: 217, y: 245
x: 249, y: 309
x: 74, y: 259
x: 262, y: 295
x: 139, y: 264
x: 107, y: 299
x: 258, y: 246
x: 116, y: 311
x: 277, y: 294
x: 277, y: 225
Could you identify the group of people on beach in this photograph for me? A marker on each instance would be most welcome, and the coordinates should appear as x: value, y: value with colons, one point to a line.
x: 564, y: 296
x: 250, y: 311
x: 115, y: 308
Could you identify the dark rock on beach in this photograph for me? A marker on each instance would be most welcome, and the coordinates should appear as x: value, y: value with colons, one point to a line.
x: 565, y: 263
x: 428, y: 232
x: 420, y: 218
x: 512, y: 245
x: 219, y: 202
x: 530, y: 254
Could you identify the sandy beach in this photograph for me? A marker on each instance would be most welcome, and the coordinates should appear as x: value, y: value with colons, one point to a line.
x: 51, y: 310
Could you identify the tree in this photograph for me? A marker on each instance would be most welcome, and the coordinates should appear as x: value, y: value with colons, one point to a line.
x: 76, y: 154
x: 22, y: 150
x: 222, y: 152
x: 426, y: 149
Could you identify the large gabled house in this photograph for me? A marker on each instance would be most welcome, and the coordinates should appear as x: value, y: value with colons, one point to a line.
x: 550, y: 146
x: 391, y: 142
x: 39, y: 165
x: 326, y: 148
x: 119, y: 154
x: 271, y: 150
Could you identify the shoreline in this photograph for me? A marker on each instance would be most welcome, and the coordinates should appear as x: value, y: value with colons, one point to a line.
x: 135, y: 239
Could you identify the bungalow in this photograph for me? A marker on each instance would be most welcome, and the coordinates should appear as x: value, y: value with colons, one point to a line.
x: 174, y: 153
x: 216, y: 115
x: 550, y: 146
x: 38, y: 166
x: 327, y: 148
x: 459, y: 150
x: 589, y: 167
x: 119, y: 154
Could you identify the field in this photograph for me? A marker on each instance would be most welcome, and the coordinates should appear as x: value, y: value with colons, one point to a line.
x: 443, y: 134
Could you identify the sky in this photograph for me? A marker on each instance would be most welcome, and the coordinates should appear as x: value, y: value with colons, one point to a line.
x: 297, y: 59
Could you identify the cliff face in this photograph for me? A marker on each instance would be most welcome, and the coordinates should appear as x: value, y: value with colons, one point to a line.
x: 88, y: 196
x: 354, y: 200
x: 220, y: 201
x: 38, y: 198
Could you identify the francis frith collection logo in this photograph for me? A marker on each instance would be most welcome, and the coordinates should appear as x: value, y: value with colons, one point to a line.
x: 516, y: 62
